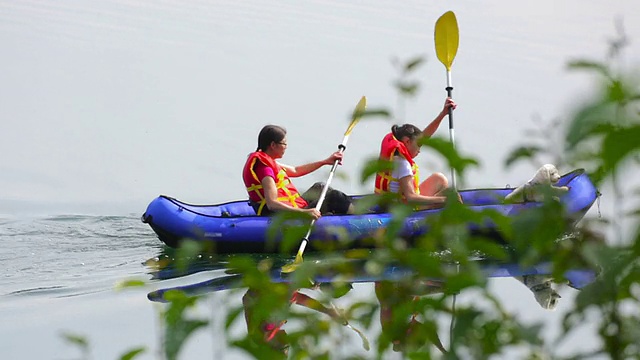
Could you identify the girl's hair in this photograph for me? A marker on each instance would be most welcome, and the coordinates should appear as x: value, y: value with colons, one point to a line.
x: 269, y: 134
x: 408, y: 130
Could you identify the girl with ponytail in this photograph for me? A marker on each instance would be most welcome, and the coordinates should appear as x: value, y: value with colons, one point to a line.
x: 401, y: 146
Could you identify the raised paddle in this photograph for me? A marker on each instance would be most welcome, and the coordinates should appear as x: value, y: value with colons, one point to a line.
x: 446, y: 39
x: 357, y: 112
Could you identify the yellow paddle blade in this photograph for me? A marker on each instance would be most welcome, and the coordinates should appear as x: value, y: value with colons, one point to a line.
x: 446, y: 38
x: 289, y: 268
x: 357, y: 113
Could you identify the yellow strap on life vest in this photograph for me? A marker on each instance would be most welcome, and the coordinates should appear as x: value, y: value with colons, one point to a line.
x: 281, y: 184
x: 386, y: 180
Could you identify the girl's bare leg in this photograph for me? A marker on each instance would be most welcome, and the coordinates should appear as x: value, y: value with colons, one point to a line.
x: 434, y: 184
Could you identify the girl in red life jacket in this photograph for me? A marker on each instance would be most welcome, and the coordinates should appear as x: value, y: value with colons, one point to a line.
x: 401, y: 146
x: 268, y: 182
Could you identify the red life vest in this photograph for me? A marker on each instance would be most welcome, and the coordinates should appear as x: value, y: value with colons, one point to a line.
x: 390, y: 145
x: 287, y: 192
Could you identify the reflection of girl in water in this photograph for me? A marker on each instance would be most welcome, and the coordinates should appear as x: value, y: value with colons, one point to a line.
x: 395, y: 327
x: 263, y: 329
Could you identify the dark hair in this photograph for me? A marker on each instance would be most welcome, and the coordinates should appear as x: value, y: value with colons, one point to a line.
x: 408, y: 130
x: 269, y: 134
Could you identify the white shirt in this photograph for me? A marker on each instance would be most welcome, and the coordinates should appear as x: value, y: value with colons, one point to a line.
x: 401, y: 168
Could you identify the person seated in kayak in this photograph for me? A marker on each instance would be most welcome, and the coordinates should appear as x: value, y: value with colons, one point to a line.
x: 401, y: 146
x: 270, y: 188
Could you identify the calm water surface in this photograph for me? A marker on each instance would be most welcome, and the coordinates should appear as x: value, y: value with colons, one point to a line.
x: 59, y: 276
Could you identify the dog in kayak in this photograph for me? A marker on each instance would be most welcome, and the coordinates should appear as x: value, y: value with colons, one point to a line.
x: 539, y: 186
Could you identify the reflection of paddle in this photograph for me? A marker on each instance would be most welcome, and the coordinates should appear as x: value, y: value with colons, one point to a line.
x: 357, y: 112
x: 446, y: 39
x: 365, y: 341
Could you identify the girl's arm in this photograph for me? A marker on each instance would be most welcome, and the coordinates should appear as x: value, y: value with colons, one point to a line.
x: 433, y: 126
x: 305, y: 169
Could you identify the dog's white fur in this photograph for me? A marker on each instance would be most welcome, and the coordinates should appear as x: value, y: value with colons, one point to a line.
x: 540, y: 286
x: 539, y: 186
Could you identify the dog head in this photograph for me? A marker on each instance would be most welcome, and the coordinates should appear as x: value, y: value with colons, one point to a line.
x: 547, y: 174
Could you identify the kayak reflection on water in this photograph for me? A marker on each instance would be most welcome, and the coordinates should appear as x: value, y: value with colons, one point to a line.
x: 408, y: 309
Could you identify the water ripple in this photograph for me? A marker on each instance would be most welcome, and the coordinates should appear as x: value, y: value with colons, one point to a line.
x: 71, y: 255
x: 36, y: 291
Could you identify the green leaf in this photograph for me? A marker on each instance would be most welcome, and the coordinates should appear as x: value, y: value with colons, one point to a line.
x: 77, y: 340
x: 413, y: 64
x: 176, y: 335
x: 129, y: 283
x: 408, y: 88
x: 373, y: 112
x: 446, y: 149
x: 616, y: 91
x: 594, y: 66
x: 186, y: 254
x: 374, y: 166
x: 177, y: 326
x: 618, y: 145
x: 232, y: 315
x: 133, y: 353
x: 523, y: 152
x: 589, y: 121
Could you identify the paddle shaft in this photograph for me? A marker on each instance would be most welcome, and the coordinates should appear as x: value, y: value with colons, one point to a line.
x: 449, y: 89
x: 323, y: 194
x: 343, y: 145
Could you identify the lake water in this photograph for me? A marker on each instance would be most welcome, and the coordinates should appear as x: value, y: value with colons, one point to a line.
x: 59, y: 278
x: 59, y: 275
x: 105, y: 106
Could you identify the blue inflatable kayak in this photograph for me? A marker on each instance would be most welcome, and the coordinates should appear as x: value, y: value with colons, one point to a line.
x: 234, y: 227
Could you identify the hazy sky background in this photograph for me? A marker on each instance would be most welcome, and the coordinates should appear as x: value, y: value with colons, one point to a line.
x: 104, y: 105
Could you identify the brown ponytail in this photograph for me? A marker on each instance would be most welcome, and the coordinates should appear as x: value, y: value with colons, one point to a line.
x: 408, y: 130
